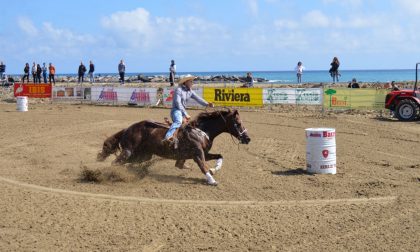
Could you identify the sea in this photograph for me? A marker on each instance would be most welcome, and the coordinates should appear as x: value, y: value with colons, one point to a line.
x: 289, y: 77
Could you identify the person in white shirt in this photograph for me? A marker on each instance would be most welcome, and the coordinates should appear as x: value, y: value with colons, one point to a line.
x: 299, y: 71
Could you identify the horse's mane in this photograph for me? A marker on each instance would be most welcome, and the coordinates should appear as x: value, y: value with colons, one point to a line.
x: 205, y: 116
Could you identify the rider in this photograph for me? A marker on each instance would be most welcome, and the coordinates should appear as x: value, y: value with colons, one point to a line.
x: 178, y: 112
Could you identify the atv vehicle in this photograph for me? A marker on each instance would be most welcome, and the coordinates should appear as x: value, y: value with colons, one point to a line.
x: 405, y: 104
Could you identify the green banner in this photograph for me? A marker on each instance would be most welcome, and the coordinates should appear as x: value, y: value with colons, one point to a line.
x: 360, y: 98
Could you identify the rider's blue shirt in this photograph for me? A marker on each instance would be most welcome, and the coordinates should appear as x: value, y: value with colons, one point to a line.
x: 181, y: 96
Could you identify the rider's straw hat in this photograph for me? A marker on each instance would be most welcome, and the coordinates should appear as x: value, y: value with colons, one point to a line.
x: 185, y: 79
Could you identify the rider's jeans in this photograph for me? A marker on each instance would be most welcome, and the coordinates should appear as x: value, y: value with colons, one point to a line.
x: 176, y: 116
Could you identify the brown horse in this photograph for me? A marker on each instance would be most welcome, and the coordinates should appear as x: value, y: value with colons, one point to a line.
x: 142, y: 140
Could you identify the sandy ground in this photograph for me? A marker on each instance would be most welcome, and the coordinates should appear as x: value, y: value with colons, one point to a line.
x: 264, y: 202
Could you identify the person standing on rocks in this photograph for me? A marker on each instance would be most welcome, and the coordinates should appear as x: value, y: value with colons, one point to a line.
x: 335, y: 64
x: 299, y: 71
x: 81, y: 72
x: 34, y: 72
x: 172, y: 71
x: 38, y: 73
x: 44, y: 72
x: 26, y: 73
x: 2, y: 70
x: 90, y: 73
x: 51, y: 68
x: 121, y: 71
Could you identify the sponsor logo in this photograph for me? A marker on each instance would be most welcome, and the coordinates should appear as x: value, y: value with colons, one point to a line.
x: 329, y: 166
x: 315, y: 135
x: 325, y: 153
x: 230, y: 95
x: 108, y: 95
x: 139, y: 96
x: 340, y: 103
x: 328, y: 134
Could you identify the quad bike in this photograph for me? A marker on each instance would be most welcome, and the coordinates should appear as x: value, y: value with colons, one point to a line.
x: 405, y: 104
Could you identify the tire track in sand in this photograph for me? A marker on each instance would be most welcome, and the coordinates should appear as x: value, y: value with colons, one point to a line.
x: 319, y: 202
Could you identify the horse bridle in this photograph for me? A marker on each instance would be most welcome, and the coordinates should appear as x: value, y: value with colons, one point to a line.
x: 235, y: 125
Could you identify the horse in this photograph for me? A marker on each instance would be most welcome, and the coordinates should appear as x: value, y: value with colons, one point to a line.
x: 142, y: 140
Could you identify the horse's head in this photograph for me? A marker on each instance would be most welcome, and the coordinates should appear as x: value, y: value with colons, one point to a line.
x: 236, y: 128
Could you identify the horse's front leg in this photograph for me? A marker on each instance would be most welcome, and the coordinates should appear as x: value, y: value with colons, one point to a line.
x: 219, y: 162
x: 199, y: 158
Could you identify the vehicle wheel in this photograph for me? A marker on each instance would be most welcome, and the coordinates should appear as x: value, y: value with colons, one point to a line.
x: 407, y: 110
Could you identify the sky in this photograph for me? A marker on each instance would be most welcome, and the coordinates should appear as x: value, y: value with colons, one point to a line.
x: 210, y: 35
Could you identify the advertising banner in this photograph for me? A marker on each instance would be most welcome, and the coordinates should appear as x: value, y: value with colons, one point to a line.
x: 124, y: 95
x: 250, y: 97
x: 354, y: 98
x: 308, y: 96
x: 168, y: 94
x: 71, y: 93
x: 32, y: 90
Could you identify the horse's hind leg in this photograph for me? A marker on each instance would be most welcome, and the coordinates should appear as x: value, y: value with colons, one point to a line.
x: 181, y: 164
x: 123, y: 157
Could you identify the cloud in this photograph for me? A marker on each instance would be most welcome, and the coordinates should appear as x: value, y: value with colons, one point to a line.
x: 138, y: 29
x: 253, y: 7
x: 412, y: 6
x: 316, y: 18
x: 286, y: 24
x: 25, y: 24
x: 48, y: 40
x: 347, y: 3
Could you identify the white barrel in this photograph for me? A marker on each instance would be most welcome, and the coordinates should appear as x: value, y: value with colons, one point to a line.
x: 22, y: 103
x: 321, y: 151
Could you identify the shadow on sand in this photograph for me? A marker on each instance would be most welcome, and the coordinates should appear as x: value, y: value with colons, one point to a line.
x: 292, y: 172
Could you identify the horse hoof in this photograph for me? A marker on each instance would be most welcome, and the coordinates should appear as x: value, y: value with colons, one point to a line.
x: 212, y: 183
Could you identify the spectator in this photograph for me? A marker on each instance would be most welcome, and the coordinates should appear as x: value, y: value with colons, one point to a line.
x: 394, y: 87
x: 90, y: 73
x: 38, y: 73
x: 2, y: 70
x: 52, y: 73
x: 335, y: 64
x: 34, y: 72
x: 172, y: 71
x: 121, y: 71
x: 81, y: 72
x: 299, y: 71
x: 249, y: 81
x: 159, y: 96
x: 26, y: 73
x: 44, y: 72
x: 353, y: 84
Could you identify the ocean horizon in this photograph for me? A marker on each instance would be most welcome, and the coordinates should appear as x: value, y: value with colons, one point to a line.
x: 289, y: 77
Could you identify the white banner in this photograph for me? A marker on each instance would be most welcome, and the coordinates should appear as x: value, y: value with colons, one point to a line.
x: 168, y: 94
x: 71, y: 93
x: 124, y: 95
x: 308, y: 96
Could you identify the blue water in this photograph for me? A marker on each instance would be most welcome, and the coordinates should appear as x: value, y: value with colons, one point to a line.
x: 289, y: 77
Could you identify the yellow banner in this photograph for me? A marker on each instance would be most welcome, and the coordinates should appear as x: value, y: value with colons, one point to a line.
x: 354, y: 98
x: 250, y: 97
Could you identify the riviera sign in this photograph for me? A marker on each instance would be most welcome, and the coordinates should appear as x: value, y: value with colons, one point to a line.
x: 234, y: 96
x: 230, y: 95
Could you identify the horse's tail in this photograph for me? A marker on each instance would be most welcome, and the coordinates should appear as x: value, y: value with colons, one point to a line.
x: 111, y: 145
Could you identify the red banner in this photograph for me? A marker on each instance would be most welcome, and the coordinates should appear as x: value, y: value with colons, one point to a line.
x: 33, y: 90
